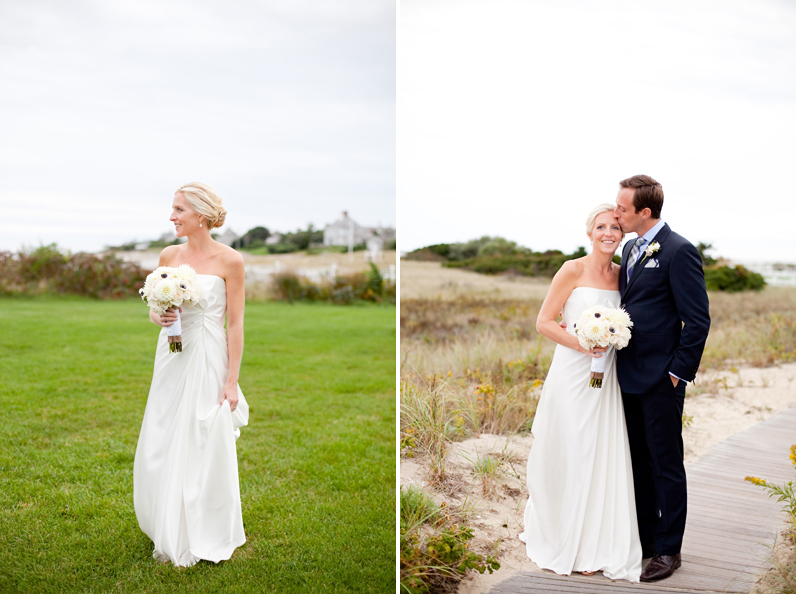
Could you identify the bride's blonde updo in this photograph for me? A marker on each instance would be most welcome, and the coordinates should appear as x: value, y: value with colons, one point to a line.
x: 605, y: 207
x: 205, y: 202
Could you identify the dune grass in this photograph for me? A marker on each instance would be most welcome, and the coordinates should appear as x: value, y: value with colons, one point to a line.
x: 472, y: 363
x: 316, y: 462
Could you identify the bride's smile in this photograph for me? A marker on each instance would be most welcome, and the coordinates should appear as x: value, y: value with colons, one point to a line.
x: 184, y: 218
x: 607, y: 233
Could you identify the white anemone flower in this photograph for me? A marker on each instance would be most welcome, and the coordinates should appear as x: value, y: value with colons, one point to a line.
x: 185, y: 272
x: 165, y: 291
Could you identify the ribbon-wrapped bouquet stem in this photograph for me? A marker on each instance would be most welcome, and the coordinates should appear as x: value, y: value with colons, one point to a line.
x: 170, y: 288
x: 601, y: 326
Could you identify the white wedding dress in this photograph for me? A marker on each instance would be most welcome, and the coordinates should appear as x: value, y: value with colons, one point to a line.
x: 581, y: 514
x: 186, y: 492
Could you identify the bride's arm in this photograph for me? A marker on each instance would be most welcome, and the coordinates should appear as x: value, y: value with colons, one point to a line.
x: 564, y: 282
x: 168, y: 318
x: 236, y: 299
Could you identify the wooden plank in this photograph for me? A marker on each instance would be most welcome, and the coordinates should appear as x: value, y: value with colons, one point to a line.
x: 544, y: 583
x: 728, y: 545
x: 730, y: 524
x: 724, y: 564
x: 699, y: 524
x: 720, y: 476
x: 750, y: 521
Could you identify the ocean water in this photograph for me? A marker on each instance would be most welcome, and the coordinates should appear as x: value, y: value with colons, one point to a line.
x: 776, y: 274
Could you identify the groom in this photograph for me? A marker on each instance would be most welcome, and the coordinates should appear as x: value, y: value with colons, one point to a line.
x: 663, y: 290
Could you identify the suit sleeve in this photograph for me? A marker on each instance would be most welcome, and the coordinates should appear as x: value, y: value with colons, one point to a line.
x: 691, y: 299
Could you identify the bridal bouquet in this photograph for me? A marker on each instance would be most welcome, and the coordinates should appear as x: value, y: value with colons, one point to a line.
x: 601, y: 326
x: 171, y: 287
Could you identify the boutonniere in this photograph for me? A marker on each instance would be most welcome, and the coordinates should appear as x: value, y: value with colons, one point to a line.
x: 650, y: 249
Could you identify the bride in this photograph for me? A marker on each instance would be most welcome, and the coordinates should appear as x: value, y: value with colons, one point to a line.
x: 186, y: 492
x: 581, y: 513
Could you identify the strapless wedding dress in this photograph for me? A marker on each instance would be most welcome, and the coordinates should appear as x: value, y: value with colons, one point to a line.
x: 581, y: 513
x: 186, y: 492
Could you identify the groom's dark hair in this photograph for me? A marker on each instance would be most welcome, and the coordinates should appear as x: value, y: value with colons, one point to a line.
x: 648, y: 194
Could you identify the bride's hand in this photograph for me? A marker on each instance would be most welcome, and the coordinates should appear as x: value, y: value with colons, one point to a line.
x: 595, y: 353
x: 167, y: 319
x: 230, y: 394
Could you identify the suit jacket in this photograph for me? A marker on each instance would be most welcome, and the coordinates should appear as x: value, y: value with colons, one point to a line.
x: 668, y: 304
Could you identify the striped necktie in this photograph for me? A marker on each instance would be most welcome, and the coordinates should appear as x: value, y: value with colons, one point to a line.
x: 634, y: 252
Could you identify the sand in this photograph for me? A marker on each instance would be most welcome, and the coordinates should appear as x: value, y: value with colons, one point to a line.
x: 721, y: 403
x: 432, y: 280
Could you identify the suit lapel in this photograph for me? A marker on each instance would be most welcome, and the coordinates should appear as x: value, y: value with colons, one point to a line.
x: 659, y: 238
x: 623, y: 268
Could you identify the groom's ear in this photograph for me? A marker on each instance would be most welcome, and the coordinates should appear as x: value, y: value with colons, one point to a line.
x: 645, y: 213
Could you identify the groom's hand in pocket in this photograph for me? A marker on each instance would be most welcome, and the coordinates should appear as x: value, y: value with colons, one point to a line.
x: 675, y: 381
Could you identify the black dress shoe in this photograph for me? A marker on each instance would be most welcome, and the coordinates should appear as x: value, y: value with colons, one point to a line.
x: 661, y: 566
x: 647, y: 551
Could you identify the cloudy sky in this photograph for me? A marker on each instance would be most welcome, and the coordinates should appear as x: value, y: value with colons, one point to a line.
x: 517, y: 117
x: 286, y: 108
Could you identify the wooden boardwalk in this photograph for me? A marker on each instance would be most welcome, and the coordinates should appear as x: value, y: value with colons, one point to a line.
x: 731, y: 523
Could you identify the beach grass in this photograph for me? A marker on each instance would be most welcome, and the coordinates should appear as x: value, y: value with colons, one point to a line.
x: 472, y: 363
x: 316, y: 462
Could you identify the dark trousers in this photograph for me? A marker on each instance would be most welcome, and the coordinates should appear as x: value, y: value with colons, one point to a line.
x: 655, y: 431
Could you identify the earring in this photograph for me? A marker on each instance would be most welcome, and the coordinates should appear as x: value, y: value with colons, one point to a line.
x: 200, y: 223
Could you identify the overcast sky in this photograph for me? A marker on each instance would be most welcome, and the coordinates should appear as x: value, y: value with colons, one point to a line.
x: 517, y: 117
x: 107, y: 106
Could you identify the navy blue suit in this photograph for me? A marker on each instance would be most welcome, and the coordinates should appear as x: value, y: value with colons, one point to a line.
x: 668, y: 304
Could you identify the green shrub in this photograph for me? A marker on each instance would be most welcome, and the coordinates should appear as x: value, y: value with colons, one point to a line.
x: 343, y: 295
x: 326, y: 249
x: 427, y: 254
x: 282, y: 248
x: 786, y: 493
x: 286, y: 286
x: 494, y: 255
x: 440, y: 249
x: 343, y: 290
x: 500, y: 247
x: 526, y: 264
x: 434, y: 559
x: 418, y: 506
x: 48, y: 270
x: 733, y: 279
x: 375, y: 282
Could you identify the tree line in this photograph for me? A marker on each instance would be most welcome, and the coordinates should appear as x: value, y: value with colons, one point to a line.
x: 496, y: 255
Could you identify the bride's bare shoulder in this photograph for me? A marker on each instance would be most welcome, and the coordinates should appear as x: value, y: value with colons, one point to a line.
x: 232, y: 258
x: 567, y: 277
x: 169, y: 255
x: 571, y: 268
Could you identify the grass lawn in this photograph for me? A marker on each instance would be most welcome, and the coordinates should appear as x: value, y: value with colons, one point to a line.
x: 317, y: 461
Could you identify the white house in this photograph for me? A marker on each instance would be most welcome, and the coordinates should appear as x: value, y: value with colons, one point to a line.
x: 228, y: 237
x: 346, y: 231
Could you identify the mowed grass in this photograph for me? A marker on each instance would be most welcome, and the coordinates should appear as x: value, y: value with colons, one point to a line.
x: 317, y: 462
